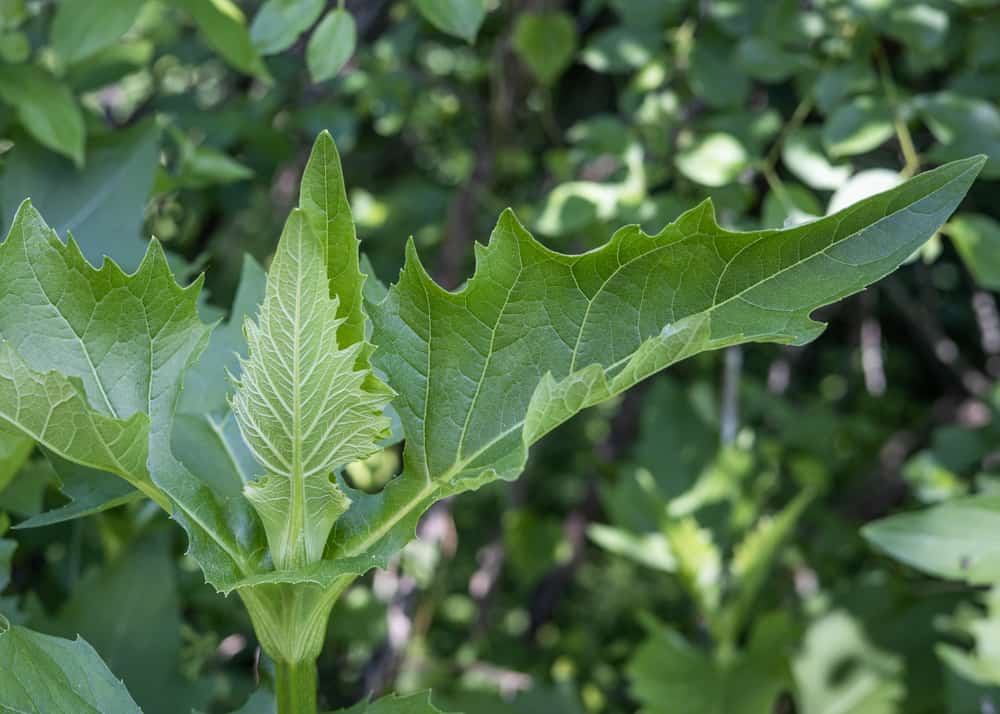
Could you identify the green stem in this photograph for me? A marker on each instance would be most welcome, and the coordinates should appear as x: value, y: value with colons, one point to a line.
x: 296, y: 687
x: 911, y: 159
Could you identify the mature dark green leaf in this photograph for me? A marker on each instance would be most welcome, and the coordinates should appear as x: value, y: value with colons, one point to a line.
x: 45, y: 107
x: 331, y: 45
x: 39, y: 673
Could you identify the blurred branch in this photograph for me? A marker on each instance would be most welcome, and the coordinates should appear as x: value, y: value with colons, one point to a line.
x: 729, y: 411
x: 910, y: 156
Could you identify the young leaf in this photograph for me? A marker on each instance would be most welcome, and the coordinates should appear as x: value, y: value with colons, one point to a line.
x: 15, y: 448
x: 535, y: 336
x: 39, y: 673
x: 45, y: 107
x: 331, y: 45
x: 300, y: 402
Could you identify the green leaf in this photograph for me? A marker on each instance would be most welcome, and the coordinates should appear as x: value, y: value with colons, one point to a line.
x: 15, y: 448
x: 45, y: 107
x: 224, y: 27
x: 946, y: 540
x: 545, y: 42
x: 977, y: 238
x: 81, y: 29
x: 39, y: 673
x: 460, y: 18
x: 108, y: 352
x: 871, y: 684
x: 535, y: 336
x: 279, y: 23
x: 102, y: 205
x: 669, y: 675
x: 714, y: 160
x: 301, y: 403
x: 419, y: 703
x: 714, y: 74
x: 89, y: 491
x: 863, y: 124
x: 621, y: 49
x: 959, y: 122
x: 140, y: 637
x: 331, y: 45
x: 803, y: 154
x: 649, y: 549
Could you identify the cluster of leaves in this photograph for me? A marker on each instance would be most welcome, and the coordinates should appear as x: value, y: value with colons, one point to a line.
x: 636, y: 562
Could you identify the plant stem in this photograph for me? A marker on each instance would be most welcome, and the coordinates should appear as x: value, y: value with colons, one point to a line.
x: 296, y: 687
x: 911, y: 159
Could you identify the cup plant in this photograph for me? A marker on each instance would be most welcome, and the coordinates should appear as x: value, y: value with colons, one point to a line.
x: 93, y: 363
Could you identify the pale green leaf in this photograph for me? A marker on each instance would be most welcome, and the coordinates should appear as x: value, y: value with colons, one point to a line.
x: 80, y: 29
x: 331, y: 45
x: 45, y: 107
x: 545, y: 42
x: 39, y: 673
x: 958, y: 123
x: 945, y: 540
x: 279, y: 23
x: 649, y: 549
x: 223, y: 26
x: 300, y: 402
x: 535, y: 335
x: 460, y: 18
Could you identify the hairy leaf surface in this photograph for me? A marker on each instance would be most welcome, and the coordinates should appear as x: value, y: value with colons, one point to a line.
x: 536, y: 336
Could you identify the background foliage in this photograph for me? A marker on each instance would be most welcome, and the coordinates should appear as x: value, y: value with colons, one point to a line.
x: 698, y: 542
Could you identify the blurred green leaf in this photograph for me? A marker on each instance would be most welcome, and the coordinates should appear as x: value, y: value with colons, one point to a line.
x: 545, y: 42
x: 15, y: 449
x: 224, y: 27
x: 45, y: 107
x: 620, y: 49
x: 714, y: 160
x: 102, y: 205
x: 460, y: 18
x: 80, y: 29
x: 962, y: 124
x: 802, y: 152
x: 945, y: 540
x: 977, y: 239
x: 862, y: 124
x: 331, y: 45
x: 278, y: 23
